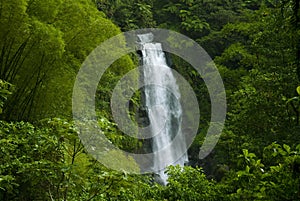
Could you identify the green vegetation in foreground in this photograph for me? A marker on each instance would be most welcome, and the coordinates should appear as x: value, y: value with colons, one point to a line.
x: 256, y: 47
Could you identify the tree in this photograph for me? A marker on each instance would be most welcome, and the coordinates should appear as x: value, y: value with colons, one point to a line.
x: 129, y: 14
x: 43, y: 44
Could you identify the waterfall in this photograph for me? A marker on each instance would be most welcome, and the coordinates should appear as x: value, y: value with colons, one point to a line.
x: 162, y: 101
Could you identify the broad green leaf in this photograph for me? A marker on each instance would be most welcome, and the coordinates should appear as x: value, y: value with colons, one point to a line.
x: 287, y: 148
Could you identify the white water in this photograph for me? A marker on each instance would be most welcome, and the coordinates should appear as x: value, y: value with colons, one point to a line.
x: 163, y: 106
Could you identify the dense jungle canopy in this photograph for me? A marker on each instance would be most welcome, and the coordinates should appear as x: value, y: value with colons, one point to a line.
x: 255, y: 46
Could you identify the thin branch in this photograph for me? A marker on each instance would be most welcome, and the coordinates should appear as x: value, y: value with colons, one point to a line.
x: 51, y: 197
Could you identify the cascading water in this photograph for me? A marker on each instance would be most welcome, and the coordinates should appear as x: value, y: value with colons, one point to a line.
x: 162, y: 101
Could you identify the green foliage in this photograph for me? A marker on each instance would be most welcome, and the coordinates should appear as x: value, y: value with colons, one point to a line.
x: 255, y: 45
x: 183, y: 16
x: 277, y: 181
x: 298, y: 90
x: 188, y: 184
x: 128, y: 14
x: 295, y: 105
x: 43, y: 44
x: 260, y: 77
x: 236, y: 56
x: 48, y: 162
x: 29, y: 160
x: 5, y: 91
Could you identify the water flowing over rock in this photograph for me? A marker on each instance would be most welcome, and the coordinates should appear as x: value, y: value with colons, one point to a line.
x: 162, y: 102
